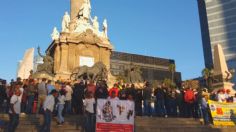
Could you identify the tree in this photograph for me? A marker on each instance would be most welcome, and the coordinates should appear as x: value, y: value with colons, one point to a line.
x: 172, y: 69
x: 168, y: 83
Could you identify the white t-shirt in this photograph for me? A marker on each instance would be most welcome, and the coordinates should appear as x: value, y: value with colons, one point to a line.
x: 221, y: 98
x: 61, y: 99
x: 69, y: 92
x: 22, y: 91
x: 49, y: 103
x: 16, y: 104
x: 89, y: 103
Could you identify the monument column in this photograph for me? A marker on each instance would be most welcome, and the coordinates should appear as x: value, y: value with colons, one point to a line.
x: 57, y: 58
x: 64, y: 59
x: 75, y: 6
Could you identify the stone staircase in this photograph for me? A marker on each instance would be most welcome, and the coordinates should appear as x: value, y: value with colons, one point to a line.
x: 32, y: 123
x: 74, y: 123
x: 150, y: 124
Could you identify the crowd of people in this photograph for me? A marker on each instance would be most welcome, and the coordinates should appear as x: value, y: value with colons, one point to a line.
x: 60, y: 98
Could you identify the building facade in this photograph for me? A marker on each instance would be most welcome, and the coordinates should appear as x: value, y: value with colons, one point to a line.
x: 218, y: 26
x: 152, y: 68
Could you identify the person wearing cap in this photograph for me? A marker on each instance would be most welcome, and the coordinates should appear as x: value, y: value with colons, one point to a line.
x: 48, y: 107
x: 204, y: 107
x: 15, y: 105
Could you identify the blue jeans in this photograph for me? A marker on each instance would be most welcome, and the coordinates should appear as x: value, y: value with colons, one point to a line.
x: 90, y: 122
x: 47, y: 121
x: 205, y: 116
x: 59, y: 114
x: 13, y: 123
x: 161, y: 107
x: 147, y: 108
x: 30, y: 104
x: 68, y: 109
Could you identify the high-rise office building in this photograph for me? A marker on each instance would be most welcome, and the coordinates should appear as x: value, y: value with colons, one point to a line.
x: 218, y: 26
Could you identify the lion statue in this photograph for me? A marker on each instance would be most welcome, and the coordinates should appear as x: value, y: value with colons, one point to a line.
x: 97, y: 72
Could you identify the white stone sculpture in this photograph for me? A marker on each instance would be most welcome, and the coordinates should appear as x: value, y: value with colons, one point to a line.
x: 105, y: 26
x: 55, y: 34
x: 66, y: 22
x: 95, y: 24
x: 85, y: 10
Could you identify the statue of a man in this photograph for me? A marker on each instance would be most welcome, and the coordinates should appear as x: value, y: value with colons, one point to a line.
x: 105, y: 26
x: 47, y: 65
x: 95, y: 24
x: 66, y: 22
x: 85, y: 10
x: 55, y: 34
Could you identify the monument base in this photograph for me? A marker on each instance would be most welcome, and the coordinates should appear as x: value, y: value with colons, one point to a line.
x: 226, y: 86
x: 43, y: 75
x: 63, y: 76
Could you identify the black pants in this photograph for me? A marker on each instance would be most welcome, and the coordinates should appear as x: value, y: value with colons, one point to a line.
x: 189, y: 110
x: 13, y: 123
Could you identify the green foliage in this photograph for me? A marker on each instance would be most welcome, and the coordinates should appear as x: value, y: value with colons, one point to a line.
x: 169, y: 83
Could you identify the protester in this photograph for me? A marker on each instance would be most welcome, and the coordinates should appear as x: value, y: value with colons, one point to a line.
x: 78, y: 96
x: 204, y: 106
x: 138, y: 102
x: 60, y: 107
x: 42, y: 93
x: 89, y: 103
x: 221, y: 96
x: 91, y: 87
x: 147, y: 95
x: 114, y: 89
x: 31, y: 96
x: 48, y: 107
x: 160, y: 100
x: 50, y: 87
x: 14, y: 111
x: 113, y: 96
x: 101, y: 90
x: 3, y: 97
x: 189, y: 98
x: 69, y: 93
x: 123, y: 93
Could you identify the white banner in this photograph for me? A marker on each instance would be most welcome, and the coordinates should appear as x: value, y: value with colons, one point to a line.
x: 115, y: 115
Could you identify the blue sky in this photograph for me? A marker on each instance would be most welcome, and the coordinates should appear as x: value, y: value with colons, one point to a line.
x: 162, y: 28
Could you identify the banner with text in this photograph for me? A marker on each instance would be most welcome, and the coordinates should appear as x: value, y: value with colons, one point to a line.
x: 115, y: 115
x: 223, y: 114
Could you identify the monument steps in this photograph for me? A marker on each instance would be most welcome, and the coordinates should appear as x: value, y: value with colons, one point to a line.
x: 74, y: 123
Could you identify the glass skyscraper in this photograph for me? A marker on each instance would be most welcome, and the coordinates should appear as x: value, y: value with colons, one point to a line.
x: 218, y: 26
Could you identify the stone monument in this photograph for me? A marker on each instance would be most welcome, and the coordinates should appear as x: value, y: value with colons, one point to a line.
x: 222, y: 74
x: 26, y: 65
x: 80, y: 43
x: 45, y: 70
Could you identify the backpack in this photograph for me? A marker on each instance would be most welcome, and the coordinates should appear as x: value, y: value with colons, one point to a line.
x: 189, y: 96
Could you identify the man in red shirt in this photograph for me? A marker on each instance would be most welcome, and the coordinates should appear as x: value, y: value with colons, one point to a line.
x: 115, y: 89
